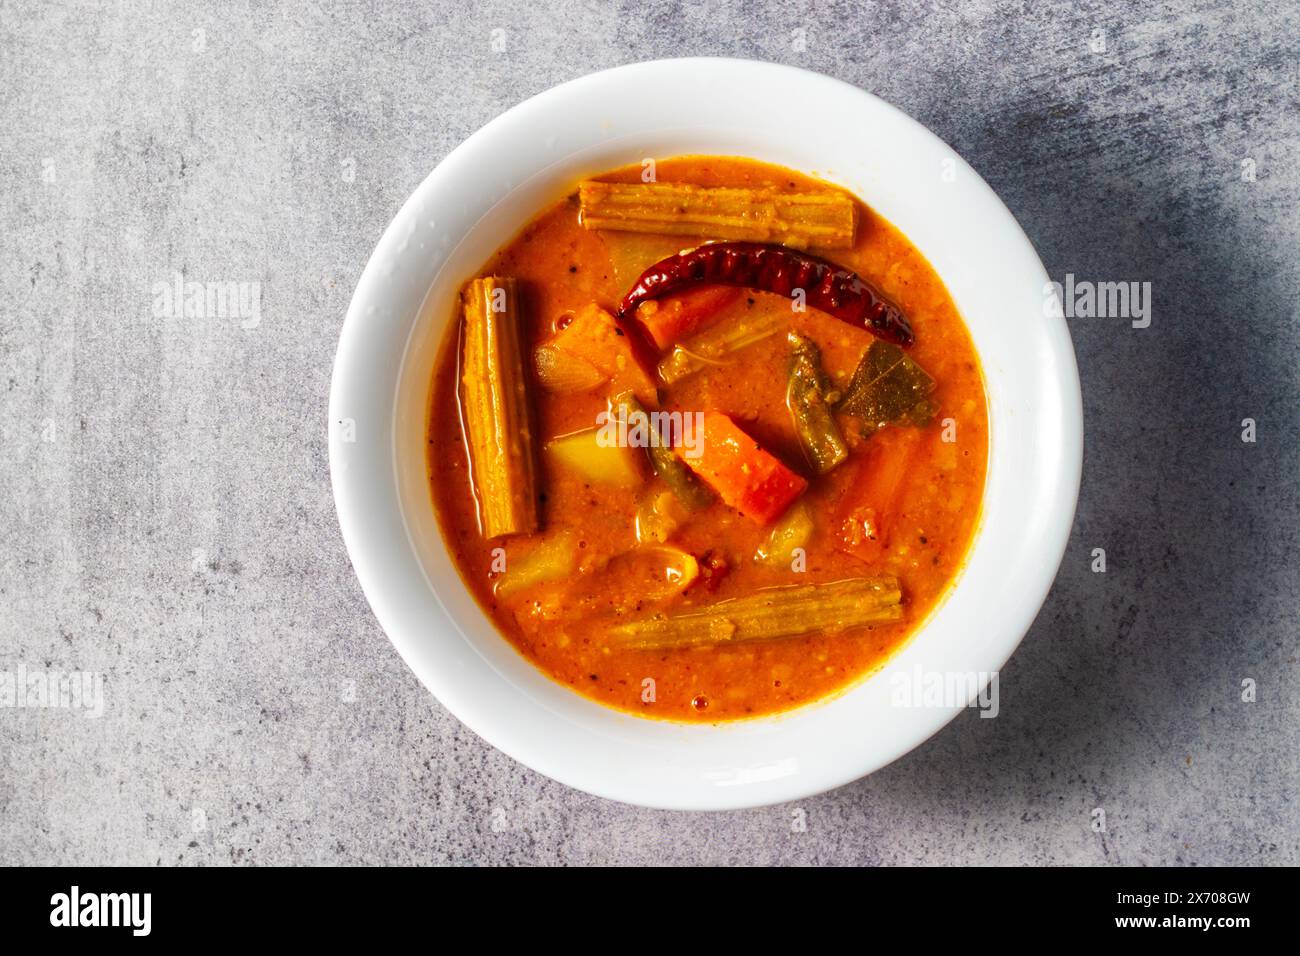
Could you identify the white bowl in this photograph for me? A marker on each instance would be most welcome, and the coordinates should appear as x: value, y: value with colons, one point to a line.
x: 476, y: 199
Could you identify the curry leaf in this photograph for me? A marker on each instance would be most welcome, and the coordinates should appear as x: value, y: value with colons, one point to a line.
x: 889, y: 388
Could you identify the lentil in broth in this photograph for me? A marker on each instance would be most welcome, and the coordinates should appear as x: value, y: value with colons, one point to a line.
x: 561, y: 268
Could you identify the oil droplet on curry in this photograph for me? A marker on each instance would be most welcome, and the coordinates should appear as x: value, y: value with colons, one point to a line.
x: 707, y: 447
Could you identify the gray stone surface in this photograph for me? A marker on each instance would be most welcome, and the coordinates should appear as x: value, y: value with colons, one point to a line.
x: 166, y: 510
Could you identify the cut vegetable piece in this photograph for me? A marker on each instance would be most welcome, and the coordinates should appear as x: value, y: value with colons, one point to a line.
x: 596, y: 337
x: 810, y: 398
x: 869, y: 509
x: 658, y: 570
x: 888, y: 388
x: 769, y: 615
x: 630, y: 582
x: 746, y: 477
x: 497, y: 411
x: 718, y: 344
x: 631, y: 253
x: 554, y: 559
x: 559, y: 371
x: 673, y: 318
x: 593, y: 457
x: 658, y: 515
x: 665, y: 462
x: 794, y: 530
x: 827, y: 219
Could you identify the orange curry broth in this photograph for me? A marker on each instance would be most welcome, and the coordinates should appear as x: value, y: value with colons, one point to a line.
x: 563, y: 267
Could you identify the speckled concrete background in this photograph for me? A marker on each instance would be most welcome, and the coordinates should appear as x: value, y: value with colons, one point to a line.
x: 166, y: 510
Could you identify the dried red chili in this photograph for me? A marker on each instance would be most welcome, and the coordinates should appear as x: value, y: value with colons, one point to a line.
x: 770, y: 268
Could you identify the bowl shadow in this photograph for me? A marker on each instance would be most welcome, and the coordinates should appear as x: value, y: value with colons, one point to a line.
x: 1137, y: 665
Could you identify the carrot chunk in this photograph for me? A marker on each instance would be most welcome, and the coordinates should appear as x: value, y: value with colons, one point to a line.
x: 745, y: 476
x: 669, y: 321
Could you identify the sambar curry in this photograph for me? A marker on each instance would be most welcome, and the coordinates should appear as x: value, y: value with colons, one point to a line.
x: 709, y: 439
